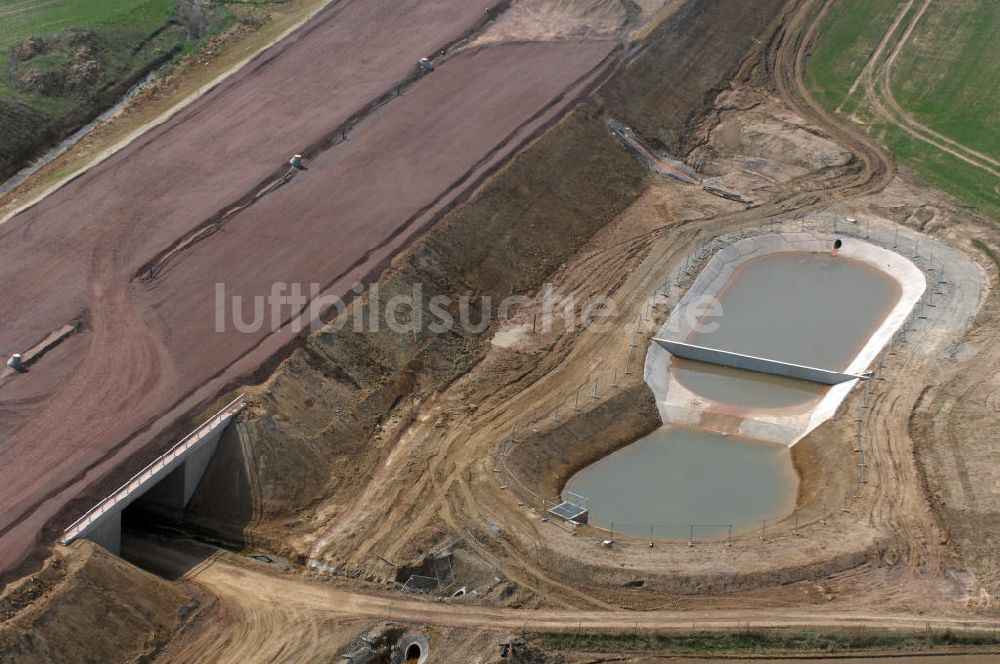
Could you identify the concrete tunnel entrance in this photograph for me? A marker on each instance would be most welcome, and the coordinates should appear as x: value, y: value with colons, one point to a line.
x: 168, y: 482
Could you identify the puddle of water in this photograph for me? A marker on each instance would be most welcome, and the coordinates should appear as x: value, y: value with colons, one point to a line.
x: 811, y: 309
x: 676, y: 477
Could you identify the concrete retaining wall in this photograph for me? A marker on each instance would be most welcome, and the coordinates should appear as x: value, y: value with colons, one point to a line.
x: 175, y: 490
x: 108, y: 533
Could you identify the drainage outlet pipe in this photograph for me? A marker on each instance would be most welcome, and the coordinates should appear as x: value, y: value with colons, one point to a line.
x: 411, y: 649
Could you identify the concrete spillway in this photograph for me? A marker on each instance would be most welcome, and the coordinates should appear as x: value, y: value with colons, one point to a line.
x: 727, y: 358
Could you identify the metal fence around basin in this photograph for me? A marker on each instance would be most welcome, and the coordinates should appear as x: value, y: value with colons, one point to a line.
x: 925, y: 255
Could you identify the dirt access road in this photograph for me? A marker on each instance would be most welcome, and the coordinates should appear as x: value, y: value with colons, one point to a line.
x: 148, y: 353
x: 262, y: 615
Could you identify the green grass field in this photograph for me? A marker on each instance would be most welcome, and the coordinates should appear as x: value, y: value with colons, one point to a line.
x: 20, y: 19
x: 62, y: 62
x: 946, y: 76
x: 847, y: 39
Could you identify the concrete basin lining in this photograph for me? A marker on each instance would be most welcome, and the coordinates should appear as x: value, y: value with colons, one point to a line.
x: 714, y: 277
x: 679, y: 405
x: 911, y: 281
x: 964, y: 290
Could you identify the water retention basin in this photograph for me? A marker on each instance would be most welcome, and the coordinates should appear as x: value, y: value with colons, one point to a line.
x: 676, y: 478
x: 811, y: 309
x: 722, y: 459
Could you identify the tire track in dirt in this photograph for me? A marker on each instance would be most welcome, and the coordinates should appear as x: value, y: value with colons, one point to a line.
x: 876, y: 55
x: 281, y: 613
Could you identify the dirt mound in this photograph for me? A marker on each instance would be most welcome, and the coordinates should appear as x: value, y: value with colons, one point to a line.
x: 68, y: 78
x: 71, y: 62
x: 87, y: 605
x: 545, y: 461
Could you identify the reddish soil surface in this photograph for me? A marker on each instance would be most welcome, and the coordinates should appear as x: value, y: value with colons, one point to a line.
x: 110, y: 397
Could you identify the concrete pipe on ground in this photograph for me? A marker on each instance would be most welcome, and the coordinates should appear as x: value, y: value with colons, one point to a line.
x: 411, y: 649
